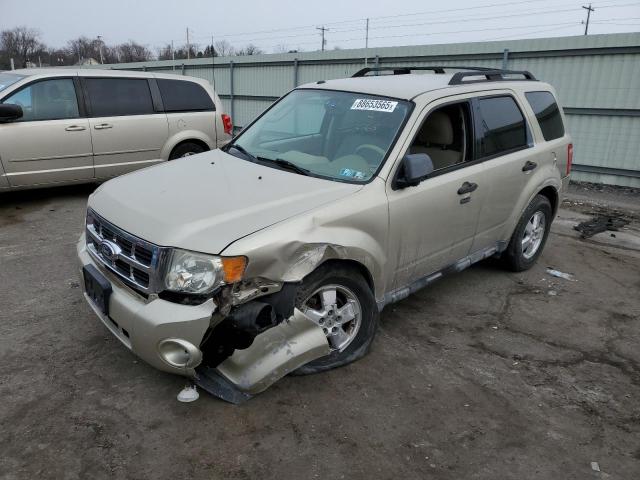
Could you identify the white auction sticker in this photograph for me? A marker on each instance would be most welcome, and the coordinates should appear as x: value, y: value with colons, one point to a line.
x: 374, y: 105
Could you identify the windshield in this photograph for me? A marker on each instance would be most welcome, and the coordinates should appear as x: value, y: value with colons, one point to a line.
x: 7, y: 79
x: 335, y: 135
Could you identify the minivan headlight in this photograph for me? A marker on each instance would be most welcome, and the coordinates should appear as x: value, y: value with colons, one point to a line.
x: 198, y: 273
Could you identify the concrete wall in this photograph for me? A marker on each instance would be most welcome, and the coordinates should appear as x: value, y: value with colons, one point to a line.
x: 597, y: 78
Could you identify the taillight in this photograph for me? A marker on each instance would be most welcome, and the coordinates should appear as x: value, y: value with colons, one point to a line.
x: 227, y: 123
x: 569, y: 157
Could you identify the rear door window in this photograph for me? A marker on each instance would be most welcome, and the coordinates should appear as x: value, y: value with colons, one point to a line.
x: 501, y: 126
x: 548, y: 114
x: 184, y: 96
x: 112, y: 97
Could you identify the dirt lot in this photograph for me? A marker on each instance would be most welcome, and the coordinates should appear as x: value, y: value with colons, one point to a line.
x: 484, y: 375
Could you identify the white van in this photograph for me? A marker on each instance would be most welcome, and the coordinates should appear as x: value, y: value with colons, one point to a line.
x: 62, y: 126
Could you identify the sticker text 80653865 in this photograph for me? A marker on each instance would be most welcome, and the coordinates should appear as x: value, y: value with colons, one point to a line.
x: 374, y: 105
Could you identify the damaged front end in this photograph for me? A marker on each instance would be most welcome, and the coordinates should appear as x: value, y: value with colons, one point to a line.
x: 256, y: 337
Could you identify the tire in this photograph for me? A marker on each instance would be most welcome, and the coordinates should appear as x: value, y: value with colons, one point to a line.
x: 522, y: 254
x: 185, y: 150
x: 348, y: 283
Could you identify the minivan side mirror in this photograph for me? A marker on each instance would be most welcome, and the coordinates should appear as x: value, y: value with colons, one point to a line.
x: 415, y: 167
x: 10, y: 112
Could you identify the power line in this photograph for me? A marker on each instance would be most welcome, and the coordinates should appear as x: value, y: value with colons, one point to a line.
x: 366, y: 37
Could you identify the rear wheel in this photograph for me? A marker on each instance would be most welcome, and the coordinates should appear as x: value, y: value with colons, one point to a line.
x: 530, y: 235
x: 340, y: 301
x: 185, y: 150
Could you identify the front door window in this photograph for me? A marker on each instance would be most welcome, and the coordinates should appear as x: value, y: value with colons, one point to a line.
x: 53, y: 99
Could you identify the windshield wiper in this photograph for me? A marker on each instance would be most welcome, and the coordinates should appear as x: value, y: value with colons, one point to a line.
x: 242, y: 150
x: 291, y: 166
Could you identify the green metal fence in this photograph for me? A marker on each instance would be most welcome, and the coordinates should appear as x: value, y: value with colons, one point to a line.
x: 597, y: 78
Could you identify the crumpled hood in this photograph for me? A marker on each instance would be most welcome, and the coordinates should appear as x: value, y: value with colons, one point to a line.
x: 205, y: 202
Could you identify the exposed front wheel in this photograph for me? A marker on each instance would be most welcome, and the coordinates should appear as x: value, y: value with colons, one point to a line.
x: 530, y: 235
x: 341, y: 302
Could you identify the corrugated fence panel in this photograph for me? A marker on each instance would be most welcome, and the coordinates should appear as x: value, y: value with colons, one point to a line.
x: 605, y: 141
x: 589, y: 81
x: 597, y: 78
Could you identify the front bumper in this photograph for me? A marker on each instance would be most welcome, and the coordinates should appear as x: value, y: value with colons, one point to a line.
x: 141, y: 324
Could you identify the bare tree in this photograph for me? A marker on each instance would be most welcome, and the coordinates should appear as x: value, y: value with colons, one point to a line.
x: 250, y: 49
x: 22, y: 44
x: 224, y: 48
x: 133, y: 52
x: 83, y: 49
x: 165, y: 53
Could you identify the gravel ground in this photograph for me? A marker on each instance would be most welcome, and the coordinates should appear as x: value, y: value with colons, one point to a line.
x: 485, y: 375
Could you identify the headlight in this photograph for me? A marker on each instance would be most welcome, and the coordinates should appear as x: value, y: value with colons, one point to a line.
x: 198, y: 273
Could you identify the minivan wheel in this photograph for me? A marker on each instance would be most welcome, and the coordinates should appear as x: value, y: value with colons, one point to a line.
x: 340, y: 301
x: 530, y: 235
x: 185, y: 150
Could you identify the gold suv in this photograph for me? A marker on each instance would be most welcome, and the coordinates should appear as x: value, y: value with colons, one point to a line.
x: 277, y: 253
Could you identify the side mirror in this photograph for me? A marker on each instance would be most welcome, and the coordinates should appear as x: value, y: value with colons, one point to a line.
x: 414, y: 168
x: 10, y: 112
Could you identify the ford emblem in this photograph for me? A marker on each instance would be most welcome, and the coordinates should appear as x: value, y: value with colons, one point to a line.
x: 109, y: 251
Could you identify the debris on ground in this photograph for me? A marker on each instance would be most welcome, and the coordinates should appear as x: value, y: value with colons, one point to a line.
x: 599, y: 224
x: 559, y: 274
x: 595, y: 467
x: 188, y: 394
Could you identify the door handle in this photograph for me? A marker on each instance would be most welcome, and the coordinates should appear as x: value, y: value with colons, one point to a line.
x: 467, y: 187
x: 103, y: 126
x: 75, y: 128
x: 529, y: 166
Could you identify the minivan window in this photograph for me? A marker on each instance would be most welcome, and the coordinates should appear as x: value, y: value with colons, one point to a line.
x: 547, y: 113
x: 8, y: 79
x: 335, y: 135
x: 184, y: 96
x: 53, y: 99
x: 112, y: 97
x: 502, y: 126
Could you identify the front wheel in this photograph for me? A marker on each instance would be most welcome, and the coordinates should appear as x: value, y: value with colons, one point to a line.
x: 340, y: 301
x: 530, y: 235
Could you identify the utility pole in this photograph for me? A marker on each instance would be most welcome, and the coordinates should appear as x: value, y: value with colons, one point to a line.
x: 100, y: 48
x: 322, y: 30
x: 173, y: 55
x: 366, y: 45
x: 188, y: 46
x: 586, y: 24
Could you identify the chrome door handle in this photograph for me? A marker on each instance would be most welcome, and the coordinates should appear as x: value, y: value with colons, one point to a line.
x: 467, y: 187
x: 529, y: 166
x: 103, y: 126
x: 75, y: 128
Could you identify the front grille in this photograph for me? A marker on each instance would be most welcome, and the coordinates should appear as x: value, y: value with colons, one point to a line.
x: 136, y: 261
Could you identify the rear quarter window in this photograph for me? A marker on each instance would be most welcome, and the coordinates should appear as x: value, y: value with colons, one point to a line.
x: 184, y: 96
x: 548, y: 114
x: 502, y: 126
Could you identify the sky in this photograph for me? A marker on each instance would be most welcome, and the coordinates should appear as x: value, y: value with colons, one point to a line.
x: 282, y: 25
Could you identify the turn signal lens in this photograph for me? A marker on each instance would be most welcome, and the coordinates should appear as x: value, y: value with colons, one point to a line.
x: 233, y: 268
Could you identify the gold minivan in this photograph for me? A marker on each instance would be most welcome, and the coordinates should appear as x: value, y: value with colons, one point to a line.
x: 276, y: 253
x: 62, y: 126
